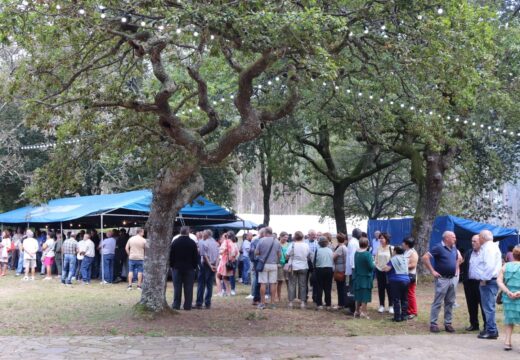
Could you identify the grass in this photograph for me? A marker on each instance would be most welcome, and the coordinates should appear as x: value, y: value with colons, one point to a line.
x: 49, y: 308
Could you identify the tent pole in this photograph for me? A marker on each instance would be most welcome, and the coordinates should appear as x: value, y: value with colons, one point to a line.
x: 62, y: 255
x: 101, y: 245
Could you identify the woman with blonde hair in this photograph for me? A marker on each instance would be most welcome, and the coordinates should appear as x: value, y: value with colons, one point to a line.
x: 509, y: 282
x: 5, y: 246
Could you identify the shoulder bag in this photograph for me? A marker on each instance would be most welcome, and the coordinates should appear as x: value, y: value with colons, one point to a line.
x: 500, y: 293
x: 230, y: 264
x: 260, y: 263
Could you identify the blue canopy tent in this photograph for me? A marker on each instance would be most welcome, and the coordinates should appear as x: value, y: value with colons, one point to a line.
x: 464, y: 229
x: 113, y: 210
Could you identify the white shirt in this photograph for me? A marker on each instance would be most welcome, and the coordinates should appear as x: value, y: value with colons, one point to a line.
x: 474, y: 260
x: 299, y: 252
x: 352, y: 247
x: 489, y: 262
x: 82, y: 247
x: 246, y: 246
x: 90, y: 248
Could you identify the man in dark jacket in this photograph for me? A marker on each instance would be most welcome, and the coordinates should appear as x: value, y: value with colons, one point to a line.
x: 183, y: 261
x: 472, y: 284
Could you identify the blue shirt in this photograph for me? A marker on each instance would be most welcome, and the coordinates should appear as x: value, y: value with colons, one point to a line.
x: 445, y: 260
x: 108, y: 246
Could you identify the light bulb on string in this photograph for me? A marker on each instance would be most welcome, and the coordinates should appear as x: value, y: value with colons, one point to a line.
x: 212, y: 37
x: 195, y: 34
x: 465, y: 121
x: 430, y: 113
x: 383, y: 27
x: 360, y: 94
x: 366, y: 31
x: 336, y: 87
x: 348, y: 91
x: 402, y: 106
x: 473, y: 124
x: 370, y: 97
x: 231, y: 97
x: 391, y: 103
x: 81, y: 11
x: 124, y: 19
x: 497, y: 129
x: 419, y: 17
x: 277, y: 78
x: 58, y: 7
x: 489, y: 127
x: 457, y: 119
x: 143, y: 23
x: 103, y: 15
x: 178, y: 31
x: 412, y: 108
x: 215, y: 103
x: 440, y: 11
x: 161, y: 27
x: 381, y: 100
x: 222, y: 100
x: 481, y: 126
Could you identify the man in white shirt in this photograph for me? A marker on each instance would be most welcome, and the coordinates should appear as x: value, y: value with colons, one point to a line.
x: 487, y: 270
x: 86, y: 264
x: 30, y: 248
x: 375, y: 243
x: 352, y: 247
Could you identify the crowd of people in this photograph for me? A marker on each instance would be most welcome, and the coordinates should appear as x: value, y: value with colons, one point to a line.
x: 306, y: 265
x: 80, y: 256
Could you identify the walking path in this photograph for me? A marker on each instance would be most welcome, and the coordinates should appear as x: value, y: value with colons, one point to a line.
x: 366, y: 347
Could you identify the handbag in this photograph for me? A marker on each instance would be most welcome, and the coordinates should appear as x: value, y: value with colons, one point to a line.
x: 500, y: 293
x: 260, y: 263
x: 230, y: 264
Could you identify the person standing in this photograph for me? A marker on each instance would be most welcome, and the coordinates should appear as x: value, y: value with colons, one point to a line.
x: 375, y: 243
x: 58, y: 257
x: 82, y: 247
x: 69, y: 250
x: 89, y: 255
x: 446, y: 257
x: 283, y: 276
x: 209, y: 253
x: 5, y: 246
x: 352, y: 248
x: 413, y: 258
x: 30, y: 248
x: 488, y: 268
x: 363, y: 278
x: 268, y: 252
x: 48, y: 255
x: 225, y: 268
x: 324, y: 264
x: 398, y: 279
x: 246, y: 262
x: 312, y: 242
x: 19, y: 241
x: 383, y: 255
x: 108, y: 249
x: 183, y: 262
x: 298, y: 255
x: 135, y: 249
x: 340, y: 259
x: 509, y: 282
x: 471, y: 283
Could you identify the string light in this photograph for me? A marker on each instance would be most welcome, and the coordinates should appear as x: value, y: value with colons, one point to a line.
x: 124, y: 19
x: 81, y: 11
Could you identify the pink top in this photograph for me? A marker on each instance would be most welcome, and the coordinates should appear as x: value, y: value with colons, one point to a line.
x: 228, y: 251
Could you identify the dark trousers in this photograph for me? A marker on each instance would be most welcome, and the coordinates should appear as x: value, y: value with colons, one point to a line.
x: 399, y: 297
x: 205, y: 284
x: 472, y: 293
x: 183, y: 280
x: 342, y: 293
x: 311, y: 277
x: 256, y: 295
x: 382, y: 286
x: 323, y: 285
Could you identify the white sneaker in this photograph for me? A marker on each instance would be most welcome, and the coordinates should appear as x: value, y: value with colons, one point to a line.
x: 25, y: 278
x: 302, y: 305
x: 32, y: 278
x: 267, y: 297
x: 290, y: 305
x: 73, y: 278
x: 391, y: 310
x: 249, y: 297
x: 381, y: 309
x: 233, y: 293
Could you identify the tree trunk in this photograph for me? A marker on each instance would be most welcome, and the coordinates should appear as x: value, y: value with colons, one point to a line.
x: 338, y: 205
x: 267, y: 184
x: 429, y: 200
x: 173, y: 189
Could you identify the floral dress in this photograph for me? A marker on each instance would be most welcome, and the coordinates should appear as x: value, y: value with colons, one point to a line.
x: 228, y: 252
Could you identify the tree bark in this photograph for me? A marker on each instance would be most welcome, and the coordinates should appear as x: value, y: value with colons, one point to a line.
x: 267, y: 184
x: 430, y: 194
x: 173, y: 189
x: 338, y: 205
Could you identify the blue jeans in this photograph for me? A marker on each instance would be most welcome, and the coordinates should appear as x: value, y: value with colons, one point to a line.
x: 246, y: 265
x: 108, y: 267
x: 205, y: 284
x: 69, y: 268
x: 488, y: 295
x: 86, y: 268
x: 19, y: 269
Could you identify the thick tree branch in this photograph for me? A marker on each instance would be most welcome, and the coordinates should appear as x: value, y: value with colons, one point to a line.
x: 131, y: 104
x: 213, y: 118
x: 317, y: 193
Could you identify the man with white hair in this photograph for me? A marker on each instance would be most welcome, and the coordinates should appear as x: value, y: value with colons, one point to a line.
x: 446, y: 257
x: 30, y: 248
x: 488, y: 268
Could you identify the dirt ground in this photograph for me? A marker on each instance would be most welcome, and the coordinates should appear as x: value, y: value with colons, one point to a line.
x: 49, y: 308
